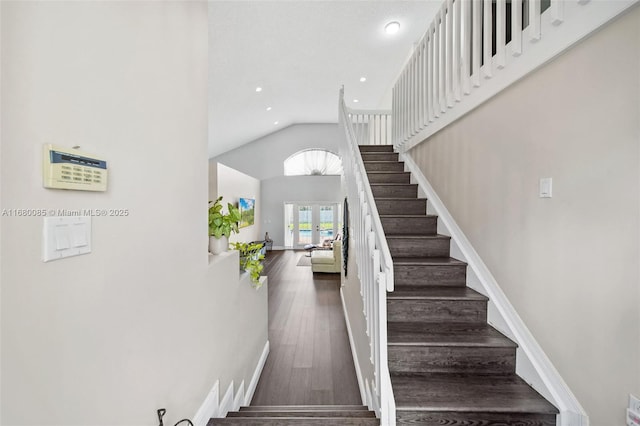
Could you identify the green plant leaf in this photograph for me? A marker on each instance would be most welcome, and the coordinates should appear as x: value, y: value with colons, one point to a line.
x: 223, y: 224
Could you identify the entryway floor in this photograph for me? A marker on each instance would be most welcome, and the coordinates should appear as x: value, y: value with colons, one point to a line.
x: 310, y: 360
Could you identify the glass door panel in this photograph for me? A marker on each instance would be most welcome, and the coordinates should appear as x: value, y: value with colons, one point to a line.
x: 326, y: 223
x: 305, y: 225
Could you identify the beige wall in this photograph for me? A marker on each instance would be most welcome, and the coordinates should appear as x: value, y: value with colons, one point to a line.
x: 568, y: 264
x: 233, y: 185
x: 144, y: 321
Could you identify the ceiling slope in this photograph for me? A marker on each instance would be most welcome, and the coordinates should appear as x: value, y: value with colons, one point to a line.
x: 300, y: 53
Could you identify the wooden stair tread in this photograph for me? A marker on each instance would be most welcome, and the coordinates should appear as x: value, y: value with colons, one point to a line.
x: 393, y: 172
x: 393, y: 184
x: 415, y: 292
x: 304, y: 413
x: 398, y: 199
x: 445, y: 334
x: 303, y: 407
x: 418, y: 237
x: 311, y: 415
x: 433, y: 261
x: 467, y: 393
x: 405, y: 216
x: 369, y: 148
x: 305, y: 421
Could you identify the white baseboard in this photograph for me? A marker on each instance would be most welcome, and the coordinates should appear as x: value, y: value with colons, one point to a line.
x: 371, y: 402
x: 251, y: 389
x: 238, y: 400
x: 226, y: 404
x: 354, y: 354
x: 231, y: 401
x: 209, y: 407
x: 537, y: 365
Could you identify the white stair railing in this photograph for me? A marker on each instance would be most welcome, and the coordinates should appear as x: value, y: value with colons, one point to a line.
x: 375, y: 266
x: 371, y: 127
x: 459, y: 62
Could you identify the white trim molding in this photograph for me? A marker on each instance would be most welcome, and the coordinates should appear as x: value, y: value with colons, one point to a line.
x: 226, y: 404
x: 209, y: 407
x: 256, y: 374
x: 238, y: 399
x: 546, y: 375
x: 214, y: 407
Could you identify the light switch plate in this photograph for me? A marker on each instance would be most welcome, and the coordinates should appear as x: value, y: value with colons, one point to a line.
x: 65, y: 236
x: 546, y: 187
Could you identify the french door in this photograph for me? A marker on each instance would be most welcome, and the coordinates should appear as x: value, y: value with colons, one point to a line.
x: 311, y: 223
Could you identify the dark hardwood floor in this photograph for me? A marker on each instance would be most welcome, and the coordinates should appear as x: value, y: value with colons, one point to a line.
x: 310, y: 360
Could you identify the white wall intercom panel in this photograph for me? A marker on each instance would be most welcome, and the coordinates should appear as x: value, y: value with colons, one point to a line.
x: 64, y: 168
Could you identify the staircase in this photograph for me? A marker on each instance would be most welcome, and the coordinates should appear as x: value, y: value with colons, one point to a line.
x: 311, y: 415
x: 447, y: 365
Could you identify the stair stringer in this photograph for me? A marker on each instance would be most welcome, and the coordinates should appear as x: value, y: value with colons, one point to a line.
x: 532, y: 364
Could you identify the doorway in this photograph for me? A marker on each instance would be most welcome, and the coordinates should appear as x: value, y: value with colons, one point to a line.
x: 311, y: 222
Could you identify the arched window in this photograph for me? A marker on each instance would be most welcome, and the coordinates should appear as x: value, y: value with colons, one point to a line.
x: 314, y: 162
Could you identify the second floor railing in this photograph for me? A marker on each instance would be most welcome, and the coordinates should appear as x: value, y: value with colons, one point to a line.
x: 473, y: 49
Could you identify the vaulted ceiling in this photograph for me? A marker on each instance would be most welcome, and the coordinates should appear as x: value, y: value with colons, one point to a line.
x: 300, y: 53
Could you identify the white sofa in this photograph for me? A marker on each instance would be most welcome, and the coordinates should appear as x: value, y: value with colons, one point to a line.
x: 327, y: 260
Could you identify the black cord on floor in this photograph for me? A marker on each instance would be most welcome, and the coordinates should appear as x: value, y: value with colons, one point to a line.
x: 162, y: 412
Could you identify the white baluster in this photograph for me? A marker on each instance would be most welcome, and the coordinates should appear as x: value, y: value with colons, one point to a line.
x: 516, y: 27
x: 442, y: 87
x: 404, y: 106
x: 534, y: 20
x: 430, y: 113
x: 424, y: 117
x: 476, y: 42
x: 466, y: 46
x: 487, y: 39
x: 557, y: 12
x: 394, y: 113
x: 501, y: 11
x: 449, y: 54
x: 425, y: 81
x: 436, y: 67
x: 412, y: 95
x: 457, y: 93
x: 416, y: 91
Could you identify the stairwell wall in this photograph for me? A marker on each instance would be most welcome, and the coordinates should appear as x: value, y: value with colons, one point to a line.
x: 145, y: 320
x: 568, y: 264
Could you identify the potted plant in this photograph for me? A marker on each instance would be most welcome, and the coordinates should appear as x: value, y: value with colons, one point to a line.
x: 221, y: 225
x: 251, y: 260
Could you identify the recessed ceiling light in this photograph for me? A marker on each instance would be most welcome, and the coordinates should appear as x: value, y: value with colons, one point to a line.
x: 355, y: 100
x: 268, y: 108
x: 275, y: 123
x: 258, y: 89
x: 392, y: 27
x: 363, y: 79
